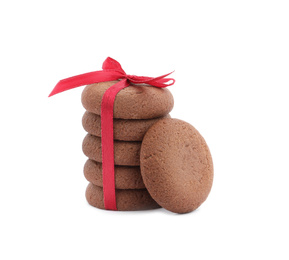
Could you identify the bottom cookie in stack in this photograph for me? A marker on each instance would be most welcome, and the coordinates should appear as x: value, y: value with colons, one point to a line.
x: 126, y: 200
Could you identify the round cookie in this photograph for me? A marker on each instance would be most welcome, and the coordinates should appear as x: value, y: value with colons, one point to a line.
x: 134, y: 102
x: 125, y: 199
x: 176, y: 165
x: 123, y: 129
x: 126, y: 177
x: 125, y: 153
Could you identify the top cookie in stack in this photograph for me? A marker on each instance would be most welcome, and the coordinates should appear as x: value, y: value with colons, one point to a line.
x: 133, y: 102
x: 136, y: 109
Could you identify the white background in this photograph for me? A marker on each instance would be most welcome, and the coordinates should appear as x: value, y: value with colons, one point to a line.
x: 231, y: 62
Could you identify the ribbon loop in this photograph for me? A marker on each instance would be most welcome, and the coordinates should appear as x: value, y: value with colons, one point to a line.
x: 111, y: 64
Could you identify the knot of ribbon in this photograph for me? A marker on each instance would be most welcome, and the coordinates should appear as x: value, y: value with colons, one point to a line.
x: 111, y: 70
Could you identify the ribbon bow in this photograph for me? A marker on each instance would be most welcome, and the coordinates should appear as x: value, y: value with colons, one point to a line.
x: 111, y: 70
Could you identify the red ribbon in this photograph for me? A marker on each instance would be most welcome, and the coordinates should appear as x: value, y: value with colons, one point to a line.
x: 111, y: 70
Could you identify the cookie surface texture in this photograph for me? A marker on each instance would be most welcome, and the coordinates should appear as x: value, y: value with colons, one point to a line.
x: 176, y: 165
x: 125, y: 153
x: 123, y: 129
x: 126, y: 177
x: 125, y: 199
x: 133, y: 102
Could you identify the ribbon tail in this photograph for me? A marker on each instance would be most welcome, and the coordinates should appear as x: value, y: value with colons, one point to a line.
x: 160, y: 82
x: 84, y: 79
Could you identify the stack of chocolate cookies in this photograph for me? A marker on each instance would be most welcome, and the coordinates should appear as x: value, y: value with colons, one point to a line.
x: 136, y: 109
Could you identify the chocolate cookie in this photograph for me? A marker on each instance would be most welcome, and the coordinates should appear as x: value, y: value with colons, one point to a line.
x: 125, y: 153
x: 176, y: 165
x: 133, y: 102
x: 126, y: 177
x: 123, y: 129
x: 125, y: 199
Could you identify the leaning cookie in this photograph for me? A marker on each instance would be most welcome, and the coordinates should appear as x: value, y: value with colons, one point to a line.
x: 176, y: 165
x: 125, y: 153
x: 125, y: 199
x: 126, y: 177
x: 123, y: 129
x: 133, y: 102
